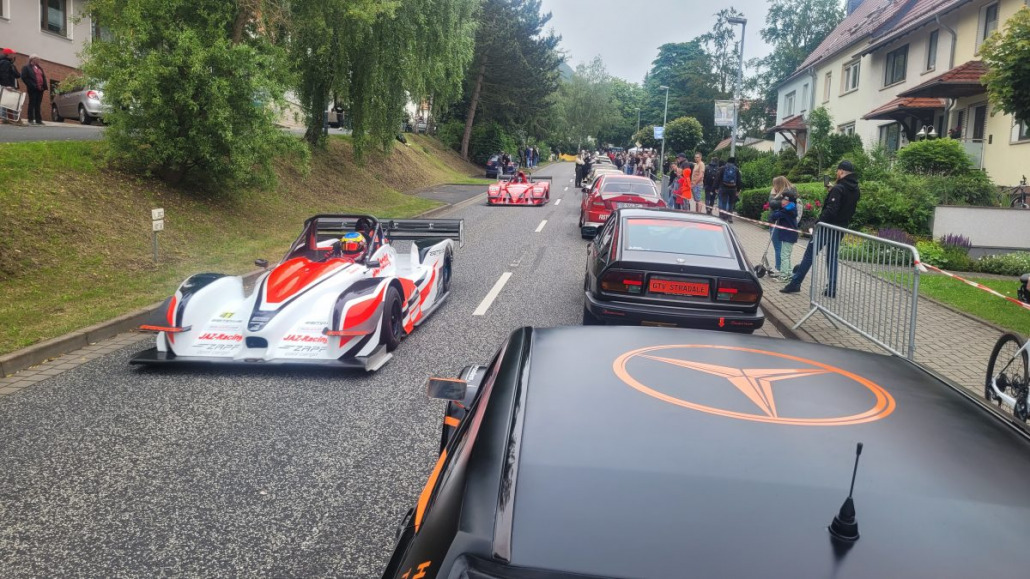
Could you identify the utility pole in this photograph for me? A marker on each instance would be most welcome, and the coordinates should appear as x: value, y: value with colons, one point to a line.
x: 740, y: 81
x: 638, y: 120
x: 665, y: 118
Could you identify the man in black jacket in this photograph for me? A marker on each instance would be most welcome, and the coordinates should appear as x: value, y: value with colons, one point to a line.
x: 8, y: 79
x: 838, y: 210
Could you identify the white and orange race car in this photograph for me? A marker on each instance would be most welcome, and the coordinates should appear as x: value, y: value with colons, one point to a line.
x: 342, y: 297
x: 519, y: 189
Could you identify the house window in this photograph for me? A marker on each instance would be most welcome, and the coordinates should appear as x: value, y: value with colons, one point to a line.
x: 788, y: 104
x: 931, y: 51
x: 988, y: 23
x: 54, y: 16
x: 826, y: 87
x: 848, y: 129
x: 98, y: 32
x: 1022, y: 132
x: 850, y: 77
x: 890, y: 137
x: 804, y: 98
x: 894, y: 69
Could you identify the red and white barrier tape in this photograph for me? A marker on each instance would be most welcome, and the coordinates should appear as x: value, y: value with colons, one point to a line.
x: 978, y: 286
x: 765, y: 223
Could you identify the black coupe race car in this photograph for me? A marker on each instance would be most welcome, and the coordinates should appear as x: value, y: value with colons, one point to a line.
x: 662, y: 267
x: 650, y: 452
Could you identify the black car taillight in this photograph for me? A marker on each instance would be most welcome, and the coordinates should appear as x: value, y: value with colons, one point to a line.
x: 623, y: 282
x: 738, y: 291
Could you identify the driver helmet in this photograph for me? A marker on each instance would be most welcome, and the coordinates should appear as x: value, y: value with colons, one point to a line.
x: 352, y: 244
x: 521, y: 178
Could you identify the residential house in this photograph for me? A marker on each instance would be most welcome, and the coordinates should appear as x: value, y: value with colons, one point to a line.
x: 56, y: 30
x: 910, y: 69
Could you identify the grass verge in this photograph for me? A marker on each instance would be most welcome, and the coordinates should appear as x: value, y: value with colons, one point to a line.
x: 977, y: 303
x: 75, y: 240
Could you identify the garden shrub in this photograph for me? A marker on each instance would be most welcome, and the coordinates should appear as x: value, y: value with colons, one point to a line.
x: 902, y: 202
x: 1016, y: 263
x: 759, y: 172
x: 935, y: 157
x: 488, y: 139
x: 972, y: 188
x: 807, y: 169
x: 895, y: 234
x: 786, y: 161
x: 751, y: 201
x: 931, y: 253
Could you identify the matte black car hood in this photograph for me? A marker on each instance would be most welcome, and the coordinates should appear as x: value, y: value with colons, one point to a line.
x: 674, y: 453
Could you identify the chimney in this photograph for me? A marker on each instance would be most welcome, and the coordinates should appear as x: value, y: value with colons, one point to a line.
x: 853, y: 5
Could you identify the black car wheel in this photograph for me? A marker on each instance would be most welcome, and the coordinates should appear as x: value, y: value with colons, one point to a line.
x: 590, y: 319
x: 393, y: 320
x: 84, y: 117
x: 54, y: 115
x: 445, y: 275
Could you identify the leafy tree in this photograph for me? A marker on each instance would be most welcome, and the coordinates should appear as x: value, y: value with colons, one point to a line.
x: 723, y: 48
x: 820, y: 124
x: 645, y: 136
x: 1007, y: 55
x: 625, y: 103
x: 794, y: 28
x: 191, y: 84
x: 683, y: 135
x: 693, y: 86
x: 584, y: 102
x: 934, y: 157
x: 514, y: 70
x: 372, y: 56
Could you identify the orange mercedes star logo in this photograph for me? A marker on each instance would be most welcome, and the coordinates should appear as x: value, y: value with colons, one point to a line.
x: 838, y: 398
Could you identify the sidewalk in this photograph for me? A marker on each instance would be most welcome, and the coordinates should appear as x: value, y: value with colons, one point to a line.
x: 953, y: 345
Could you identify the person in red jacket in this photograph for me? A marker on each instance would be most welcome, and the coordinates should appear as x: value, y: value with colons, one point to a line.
x: 684, y: 194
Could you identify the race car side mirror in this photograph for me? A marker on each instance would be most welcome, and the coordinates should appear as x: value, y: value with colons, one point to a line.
x: 262, y: 263
x: 373, y: 263
x: 446, y: 388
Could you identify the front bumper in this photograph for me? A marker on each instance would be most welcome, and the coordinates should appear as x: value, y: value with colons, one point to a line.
x: 531, y: 201
x: 369, y: 363
x: 625, y: 313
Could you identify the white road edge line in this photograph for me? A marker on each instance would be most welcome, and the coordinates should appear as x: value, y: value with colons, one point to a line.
x: 566, y: 188
x: 558, y: 202
x: 492, y: 295
x: 540, y: 227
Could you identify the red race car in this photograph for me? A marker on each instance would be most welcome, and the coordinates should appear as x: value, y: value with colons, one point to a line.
x: 520, y: 190
x: 611, y: 192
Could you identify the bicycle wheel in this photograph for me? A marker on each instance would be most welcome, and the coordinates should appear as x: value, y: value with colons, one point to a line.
x: 1008, y: 367
x: 1019, y: 200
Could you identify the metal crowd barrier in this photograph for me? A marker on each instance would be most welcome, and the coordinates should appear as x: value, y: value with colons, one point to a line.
x: 869, y: 284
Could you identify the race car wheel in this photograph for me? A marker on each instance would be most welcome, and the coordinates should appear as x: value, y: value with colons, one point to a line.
x: 393, y: 320
x: 445, y: 275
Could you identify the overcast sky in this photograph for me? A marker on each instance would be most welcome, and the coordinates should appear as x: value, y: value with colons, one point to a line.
x: 627, y: 33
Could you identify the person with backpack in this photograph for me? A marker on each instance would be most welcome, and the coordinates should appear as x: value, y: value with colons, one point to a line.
x: 784, y: 213
x: 711, y: 172
x: 841, y: 201
x: 730, y: 184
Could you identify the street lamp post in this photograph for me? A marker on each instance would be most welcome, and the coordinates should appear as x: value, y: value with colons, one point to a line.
x: 665, y: 118
x: 740, y: 80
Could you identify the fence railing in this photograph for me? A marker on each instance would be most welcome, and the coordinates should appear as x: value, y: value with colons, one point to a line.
x: 869, y: 284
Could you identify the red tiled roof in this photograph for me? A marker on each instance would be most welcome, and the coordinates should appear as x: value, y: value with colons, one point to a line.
x: 903, y: 105
x: 963, y: 80
x: 855, y: 27
x: 795, y: 123
x: 919, y: 14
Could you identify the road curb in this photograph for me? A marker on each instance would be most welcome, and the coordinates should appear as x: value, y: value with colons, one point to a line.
x: 36, y: 354
x: 61, y: 345
x: 776, y: 316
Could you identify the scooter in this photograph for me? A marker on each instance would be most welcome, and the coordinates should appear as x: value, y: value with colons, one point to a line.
x: 1023, y: 293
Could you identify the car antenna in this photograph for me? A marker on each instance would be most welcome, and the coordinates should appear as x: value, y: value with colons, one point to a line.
x: 844, y: 526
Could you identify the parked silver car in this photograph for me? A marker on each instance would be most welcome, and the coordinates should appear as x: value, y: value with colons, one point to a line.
x: 83, y: 103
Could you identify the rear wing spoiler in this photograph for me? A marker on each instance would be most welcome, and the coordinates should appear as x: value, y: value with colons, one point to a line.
x: 541, y: 178
x: 416, y: 229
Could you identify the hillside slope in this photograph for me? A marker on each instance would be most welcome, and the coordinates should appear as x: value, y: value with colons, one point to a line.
x: 75, y: 239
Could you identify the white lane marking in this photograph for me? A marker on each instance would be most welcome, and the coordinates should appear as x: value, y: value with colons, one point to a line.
x: 558, y: 202
x: 566, y: 188
x: 572, y: 180
x: 492, y: 295
x: 540, y: 227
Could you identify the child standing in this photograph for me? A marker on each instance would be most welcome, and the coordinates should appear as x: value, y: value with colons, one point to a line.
x: 783, y: 206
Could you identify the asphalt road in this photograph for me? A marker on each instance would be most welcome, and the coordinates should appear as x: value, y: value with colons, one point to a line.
x: 51, y: 131
x: 117, y: 471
